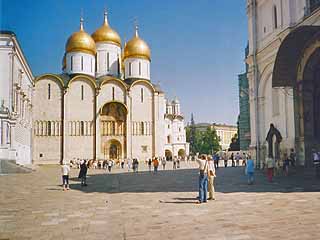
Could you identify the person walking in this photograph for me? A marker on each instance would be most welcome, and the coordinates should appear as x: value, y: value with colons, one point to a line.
x: 155, y: 165
x: 244, y: 159
x: 238, y: 159
x: 129, y: 162
x: 250, y: 170
x: 149, y: 164
x: 316, y: 162
x: 178, y: 162
x: 174, y: 163
x: 83, y: 173
x: 293, y: 158
x: 286, y: 163
x: 65, y: 170
x: 225, y: 158
x: 270, y: 168
x: 110, y: 164
x: 203, y: 179
x: 232, y: 160
x: 211, y: 177
x: 163, y: 162
x: 122, y: 163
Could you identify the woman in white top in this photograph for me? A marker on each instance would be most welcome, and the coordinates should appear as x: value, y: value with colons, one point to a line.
x: 65, y: 170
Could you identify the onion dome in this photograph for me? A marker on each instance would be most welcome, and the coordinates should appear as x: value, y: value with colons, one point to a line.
x: 136, y: 47
x: 81, y: 42
x: 106, y: 34
x: 176, y: 100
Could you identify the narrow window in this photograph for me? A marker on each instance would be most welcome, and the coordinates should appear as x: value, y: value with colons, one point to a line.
x: 108, y: 62
x: 113, y: 93
x: 81, y: 63
x: 49, y: 128
x: 96, y: 63
x: 139, y: 68
x: 91, y: 65
x: 130, y: 69
x: 82, y: 92
x: 275, y: 15
x: 49, y: 91
x: 71, y: 63
x: 82, y: 128
x: 141, y: 128
x: 118, y: 65
x: 142, y: 95
x: 168, y: 139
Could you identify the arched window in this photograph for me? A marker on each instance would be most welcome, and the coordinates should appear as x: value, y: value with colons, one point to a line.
x: 142, y: 95
x: 81, y: 63
x: 82, y: 128
x: 82, y: 92
x: 113, y: 128
x: 168, y: 139
x: 139, y: 68
x: 113, y: 93
x: 275, y: 17
x: 91, y: 65
x: 71, y: 63
x: 49, y: 91
x: 49, y: 128
x: 130, y: 66
x: 108, y: 62
x: 118, y: 64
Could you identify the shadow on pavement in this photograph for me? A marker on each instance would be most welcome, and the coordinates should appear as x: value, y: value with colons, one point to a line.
x: 229, y: 180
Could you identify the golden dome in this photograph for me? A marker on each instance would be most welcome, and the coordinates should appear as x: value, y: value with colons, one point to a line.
x: 81, y: 42
x: 106, y: 34
x: 136, y: 47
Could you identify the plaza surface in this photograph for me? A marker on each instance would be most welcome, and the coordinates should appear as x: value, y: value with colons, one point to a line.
x: 127, y: 205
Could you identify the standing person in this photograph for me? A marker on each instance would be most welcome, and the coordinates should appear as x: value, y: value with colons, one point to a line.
x: 225, y: 158
x: 203, y: 179
x: 217, y: 160
x: 134, y: 165
x: 122, y: 163
x: 211, y: 177
x: 83, y: 173
x: 270, y: 166
x: 65, y: 170
x: 174, y: 163
x: 244, y: 159
x: 250, y: 170
x: 238, y: 159
x: 137, y: 164
x: 178, y: 162
x: 110, y: 164
x: 286, y: 163
x: 164, y: 162
x: 149, y: 164
x: 316, y: 162
x: 129, y: 162
x: 232, y: 160
x: 155, y: 165
x: 292, y: 157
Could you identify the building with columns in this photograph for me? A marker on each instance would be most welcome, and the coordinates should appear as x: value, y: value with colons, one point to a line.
x: 104, y: 104
x: 283, y: 74
x: 16, y: 84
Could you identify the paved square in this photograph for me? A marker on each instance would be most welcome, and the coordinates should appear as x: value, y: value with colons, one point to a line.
x: 124, y: 205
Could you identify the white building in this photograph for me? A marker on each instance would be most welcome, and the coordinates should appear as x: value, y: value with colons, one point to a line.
x: 16, y: 83
x: 284, y: 41
x: 103, y: 105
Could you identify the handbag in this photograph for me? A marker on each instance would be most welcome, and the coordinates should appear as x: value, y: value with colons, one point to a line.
x: 202, y: 172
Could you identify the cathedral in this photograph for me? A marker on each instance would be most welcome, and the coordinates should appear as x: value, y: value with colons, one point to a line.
x: 104, y: 105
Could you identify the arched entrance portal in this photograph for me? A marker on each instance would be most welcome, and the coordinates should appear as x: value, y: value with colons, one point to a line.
x: 182, y: 153
x: 113, y: 131
x: 168, y: 155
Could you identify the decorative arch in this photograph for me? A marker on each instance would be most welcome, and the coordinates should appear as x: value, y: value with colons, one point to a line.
x: 89, y: 79
x: 51, y: 76
x: 105, y: 80
x: 117, y: 102
x: 148, y: 83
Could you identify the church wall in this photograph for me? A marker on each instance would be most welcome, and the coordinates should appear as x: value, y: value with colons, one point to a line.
x: 79, y: 116
x: 144, y: 71
x: 102, y: 59
x: 160, y: 131
x: 47, y: 143
x: 106, y: 93
x: 85, y: 66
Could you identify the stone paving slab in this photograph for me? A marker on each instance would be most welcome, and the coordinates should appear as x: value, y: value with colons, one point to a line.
x: 126, y: 205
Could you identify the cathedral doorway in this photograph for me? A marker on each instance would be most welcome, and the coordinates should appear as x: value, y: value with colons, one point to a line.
x: 182, y: 153
x: 113, y: 130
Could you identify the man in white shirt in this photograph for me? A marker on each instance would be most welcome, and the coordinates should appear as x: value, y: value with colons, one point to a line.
x: 203, y: 179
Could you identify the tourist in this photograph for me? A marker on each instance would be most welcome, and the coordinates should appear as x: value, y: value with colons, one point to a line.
x: 83, y: 172
x: 174, y: 163
x: 163, y: 162
x: 270, y: 168
x: 244, y: 158
x: 122, y: 163
x: 238, y: 159
x: 178, y: 162
x: 110, y: 164
x: 286, y: 163
x: 155, y: 165
x: 293, y: 158
x: 203, y: 179
x: 211, y: 177
x: 225, y: 158
x: 149, y: 164
x: 232, y: 160
x: 65, y: 169
x: 216, y: 159
x: 129, y: 162
x: 316, y: 162
x: 250, y: 170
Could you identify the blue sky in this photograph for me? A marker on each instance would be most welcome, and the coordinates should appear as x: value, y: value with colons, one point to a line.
x: 197, y: 46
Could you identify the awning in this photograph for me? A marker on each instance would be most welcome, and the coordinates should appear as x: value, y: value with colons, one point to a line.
x: 288, y: 56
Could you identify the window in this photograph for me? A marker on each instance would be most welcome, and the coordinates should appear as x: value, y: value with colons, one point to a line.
x: 82, y: 92
x: 142, y: 95
x: 141, y: 128
x: 82, y: 128
x: 179, y: 129
x: 49, y: 91
x: 91, y: 65
x: 168, y: 139
x: 144, y: 148
x: 168, y: 126
x: 71, y: 63
x: 113, y: 93
x: 118, y: 65
x: 81, y: 63
x: 130, y: 65
x: 108, y: 62
x: 139, y: 68
x: 275, y: 16
x: 49, y: 128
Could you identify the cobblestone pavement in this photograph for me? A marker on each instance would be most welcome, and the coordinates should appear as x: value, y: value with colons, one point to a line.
x: 144, y: 205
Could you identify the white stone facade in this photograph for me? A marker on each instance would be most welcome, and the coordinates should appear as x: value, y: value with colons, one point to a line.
x: 272, y: 24
x: 16, y: 85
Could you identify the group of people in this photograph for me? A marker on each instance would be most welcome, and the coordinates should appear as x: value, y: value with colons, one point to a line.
x: 235, y: 159
x: 65, y: 169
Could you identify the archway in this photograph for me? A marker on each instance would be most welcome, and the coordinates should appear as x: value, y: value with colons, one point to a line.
x: 168, y: 155
x: 113, y: 130
x: 182, y: 153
